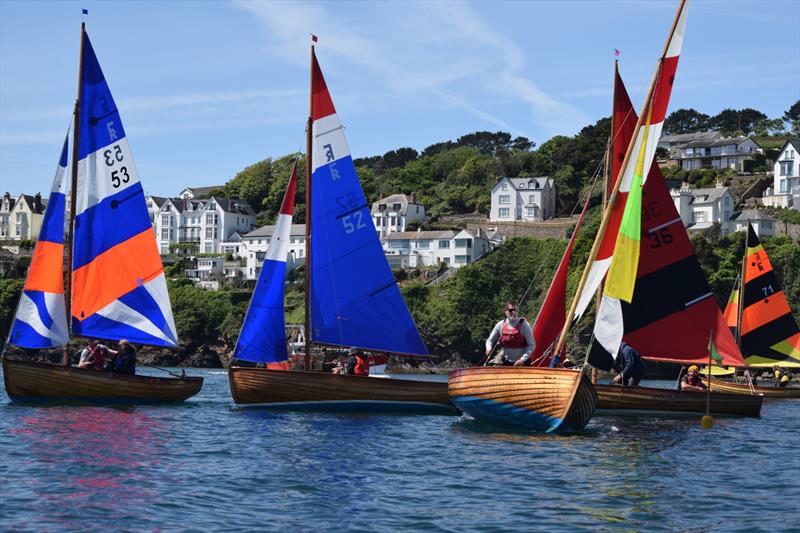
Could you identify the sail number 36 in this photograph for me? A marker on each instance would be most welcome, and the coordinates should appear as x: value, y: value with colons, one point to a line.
x: 113, y: 156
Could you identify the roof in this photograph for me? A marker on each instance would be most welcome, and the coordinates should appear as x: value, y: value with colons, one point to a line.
x: 718, y: 142
x: 540, y: 182
x: 712, y: 194
x: 416, y: 235
x: 689, y: 137
x: 158, y: 200
x: 700, y: 225
x: 30, y: 200
x: 754, y: 214
x: 297, y: 230
x: 232, y: 205
x: 403, y: 199
x: 200, y: 191
x: 794, y: 142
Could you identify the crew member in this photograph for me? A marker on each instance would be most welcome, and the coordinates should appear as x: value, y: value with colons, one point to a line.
x: 515, y: 336
x: 691, y: 380
x: 629, y: 365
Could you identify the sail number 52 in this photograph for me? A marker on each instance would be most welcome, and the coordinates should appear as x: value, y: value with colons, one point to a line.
x: 353, y: 222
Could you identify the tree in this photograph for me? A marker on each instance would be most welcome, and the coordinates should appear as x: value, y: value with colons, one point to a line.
x: 685, y: 121
x: 792, y: 116
x: 728, y: 121
x: 767, y: 126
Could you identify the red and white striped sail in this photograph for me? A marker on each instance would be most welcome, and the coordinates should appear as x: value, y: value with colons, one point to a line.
x: 659, y: 102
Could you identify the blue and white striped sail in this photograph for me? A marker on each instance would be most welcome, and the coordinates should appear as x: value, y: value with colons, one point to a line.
x: 118, y: 285
x: 355, y: 300
x: 41, y: 317
x: 263, y: 336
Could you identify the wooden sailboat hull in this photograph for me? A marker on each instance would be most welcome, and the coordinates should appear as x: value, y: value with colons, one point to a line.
x: 615, y: 399
x: 297, y: 389
x: 28, y: 381
x: 745, y: 390
x: 544, y: 399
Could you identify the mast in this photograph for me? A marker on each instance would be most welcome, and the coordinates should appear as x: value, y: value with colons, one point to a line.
x: 612, y: 198
x: 740, y: 303
x: 73, y: 194
x: 309, y: 125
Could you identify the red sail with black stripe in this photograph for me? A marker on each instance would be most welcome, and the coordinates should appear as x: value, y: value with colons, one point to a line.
x: 769, y: 333
x: 673, y: 309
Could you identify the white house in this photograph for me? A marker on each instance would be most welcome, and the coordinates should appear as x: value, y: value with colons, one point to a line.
x: 21, y: 217
x: 208, y: 272
x: 717, y: 153
x: 763, y: 223
x: 525, y: 199
x: 395, y: 212
x: 700, y: 208
x: 414, y: 249
x: 674, y: 143
x: 785, y: 191
x: 255, y: 246
x: 206, y: 223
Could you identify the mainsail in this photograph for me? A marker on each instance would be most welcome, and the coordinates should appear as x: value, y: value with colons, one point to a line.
x: 768, y: 330
x: 118, y: 285
x: 41, y: 317
x: 355, y: 300
x: 263, y: 336
x: 648, y: 133
x: 673, y: 310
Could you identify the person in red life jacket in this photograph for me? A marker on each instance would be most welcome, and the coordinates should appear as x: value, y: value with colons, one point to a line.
x: 94, y: 355
x: 357, y: 363
x: 515, y: 336
x: 691, y: 381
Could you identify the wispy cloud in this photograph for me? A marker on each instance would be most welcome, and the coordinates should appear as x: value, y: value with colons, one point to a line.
x: 415, y: 52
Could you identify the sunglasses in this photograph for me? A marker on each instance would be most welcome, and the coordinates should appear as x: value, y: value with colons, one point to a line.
x: 511, y: 309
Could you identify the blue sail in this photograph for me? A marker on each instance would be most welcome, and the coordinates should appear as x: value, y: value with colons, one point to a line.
x: 263, y: 335
x: 355, y: 300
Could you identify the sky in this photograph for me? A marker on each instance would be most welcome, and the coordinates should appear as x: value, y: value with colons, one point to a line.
x: 206, y: 88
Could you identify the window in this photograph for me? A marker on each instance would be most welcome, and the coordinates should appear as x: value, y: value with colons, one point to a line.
x: 530, y: 212
x: 211, y: 232
x: 531, y: 198
x: 424, y: 244
x: 700, y: 216
x: 787, y: 167
x: 727, y: 201
x: 767, y: 225
x: 398, y: 244
x: 463, y: 243
x: 790, y: 154
x: 19, y: 231
x: 444, y: 243
x: 504, y: 199
x: 19, y: 218
x: 782, y: 185
x: 209, y: 247
x: 165, y: 220
x: 165, y: 234
x: 504, y: 212
x: 504, y: 187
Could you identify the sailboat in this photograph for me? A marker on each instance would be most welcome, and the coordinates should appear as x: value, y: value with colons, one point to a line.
x: 117, y: 288
x: 352, y: 299
x: 767, y: 331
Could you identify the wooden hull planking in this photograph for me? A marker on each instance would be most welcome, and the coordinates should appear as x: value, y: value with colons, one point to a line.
x: 544, y: 399
x: 745, y: 390
x: 618, y: 399
x: 29, y: 381
x: 298, y: 389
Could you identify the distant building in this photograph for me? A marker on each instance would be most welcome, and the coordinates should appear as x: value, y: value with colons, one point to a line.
x: 414, y: 249
x: 205, y: 223
x: 256, y: 243
x: 524, y: 199
x: 196, y: 193
x: 785, y: 191
x: 718, y: 153
x: 396, y: 212
x: 674, y: 143
x: 21, y: 217
x: 763, y: 223
x: 700, y: 208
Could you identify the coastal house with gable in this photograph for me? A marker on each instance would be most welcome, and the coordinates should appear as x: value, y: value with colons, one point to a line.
x: 785, y: 190
x: 763, y: 223
x: 396, y: 212
x: 21, y: 217
x: 523, y: 199
x: 197, y: 193
x: 674, y: 143
x: 256, y: 243
x: 414, y: 249
x: 700, y: 208
x: 717, y: 153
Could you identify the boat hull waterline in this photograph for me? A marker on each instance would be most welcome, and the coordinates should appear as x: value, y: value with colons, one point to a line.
x: 745, y: 390
x: 543, y: 399
x: 28, y: 381
x: 298, y: 389
x: 615, y: 399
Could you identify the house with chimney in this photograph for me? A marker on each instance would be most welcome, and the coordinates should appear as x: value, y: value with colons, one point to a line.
x: 396, y: 212
x: 699, y: 209
x: 197, y: 193
x: 21, y: 217
x: 523, y: 199
x: 415, y: 249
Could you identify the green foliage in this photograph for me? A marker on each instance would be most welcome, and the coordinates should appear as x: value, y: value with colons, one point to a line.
x: 792, y: 116
x: 685, y: 121
x: 203, y: 316
x: 789, y: 215
x: 10, y: 290
x: 732, y: 121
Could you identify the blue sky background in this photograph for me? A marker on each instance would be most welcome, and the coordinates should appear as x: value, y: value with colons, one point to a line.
x: 206, y: 88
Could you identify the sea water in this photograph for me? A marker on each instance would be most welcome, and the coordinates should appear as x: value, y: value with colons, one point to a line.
x: 209, y: 465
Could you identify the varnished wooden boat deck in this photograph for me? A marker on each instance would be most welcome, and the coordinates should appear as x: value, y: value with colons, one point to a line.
x: 544, y: 399
x: 621, y: 400
x: 297, y: 389
x: 743, y: 389
x: 32, y: 381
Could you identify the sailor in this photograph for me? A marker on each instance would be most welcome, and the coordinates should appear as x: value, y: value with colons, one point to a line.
x: 515, y: 336
x: 691, y: 381
x: 125, y: 360
x: 357, y: 363
x: 94, y: 355
x: 782, y: 377
x: 629, y: 365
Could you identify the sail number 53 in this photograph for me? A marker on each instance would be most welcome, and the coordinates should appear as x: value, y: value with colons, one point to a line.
x: 113, y: 156
x: 353, y: 222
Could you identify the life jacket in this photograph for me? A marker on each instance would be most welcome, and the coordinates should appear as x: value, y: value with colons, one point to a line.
x: 511, y: 337
x: 362, y: 365
x: 694, y: 381
x: 98, y: 356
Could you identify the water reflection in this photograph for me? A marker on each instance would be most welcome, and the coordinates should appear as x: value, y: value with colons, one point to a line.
x: 102, y: 457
